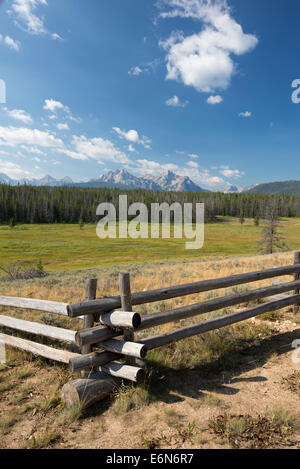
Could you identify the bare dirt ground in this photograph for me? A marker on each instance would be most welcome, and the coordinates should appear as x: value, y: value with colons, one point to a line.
x: 188, y: 410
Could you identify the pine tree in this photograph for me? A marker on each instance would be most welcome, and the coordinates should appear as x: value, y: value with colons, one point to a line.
x: 272, y: 239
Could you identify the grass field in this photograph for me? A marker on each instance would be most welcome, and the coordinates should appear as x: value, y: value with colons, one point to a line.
x: 64, y: 247
x: 236, y: 387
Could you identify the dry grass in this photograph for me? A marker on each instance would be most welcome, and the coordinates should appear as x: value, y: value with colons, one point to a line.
x: 216, y: 352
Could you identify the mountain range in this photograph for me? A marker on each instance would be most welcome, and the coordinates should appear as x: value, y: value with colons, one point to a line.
x: 121, y: 179
x: 167, y: 181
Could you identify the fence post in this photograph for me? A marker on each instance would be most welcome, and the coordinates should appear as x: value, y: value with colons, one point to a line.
x: 2, y: 353
x: 297, y: 277
x: 125, y: 294
x: 88, y: 320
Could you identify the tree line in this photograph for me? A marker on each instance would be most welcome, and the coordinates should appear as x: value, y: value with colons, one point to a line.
x: 27, y: 204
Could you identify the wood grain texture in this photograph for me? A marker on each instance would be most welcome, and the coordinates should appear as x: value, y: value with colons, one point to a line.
x: 129, y: 349
x: 92, y: 360
x: 88, y: 320
x: 121, y: 320
x: 56, y: 333
x: 185, y: 312
x: 167, y: 338
x: 297, y: 277
x: 2, y: 353
x: 85, y: 392
x: 126, y: 304
x: 62, y: 356
x: 38, y: 305
x: 109, y: 304
x: 119, y: 370
x: 95, y: 335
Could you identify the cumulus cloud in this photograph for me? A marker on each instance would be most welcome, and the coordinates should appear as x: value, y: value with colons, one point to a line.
x: 13, y: 170
x: 193, y: 156
x: 214, y: 99
x: 231, y: 173
x: 54, y: 106
x: 10, y: 42
x: 133, y: 137
x: 34, y: 150
x: 131, y: 148
x: 63, y: 127
x: 14, y: 136
x: 19, y: 114
x: 25, y: 15
x: 193, y: 164
x: 204, y: 60
x: 175, y: 102
x: 97, y: 149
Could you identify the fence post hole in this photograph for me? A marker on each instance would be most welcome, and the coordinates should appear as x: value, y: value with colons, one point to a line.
x: 125, y: 294
x: 2, y: 353
x: 88, y: 320
x: 297, y: 277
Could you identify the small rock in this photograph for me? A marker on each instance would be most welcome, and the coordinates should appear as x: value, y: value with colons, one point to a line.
x: 256, y: 343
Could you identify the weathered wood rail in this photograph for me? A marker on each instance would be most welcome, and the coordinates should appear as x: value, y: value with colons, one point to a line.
x: 108, y: 350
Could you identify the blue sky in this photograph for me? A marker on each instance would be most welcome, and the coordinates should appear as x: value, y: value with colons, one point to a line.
x: 199, y: 87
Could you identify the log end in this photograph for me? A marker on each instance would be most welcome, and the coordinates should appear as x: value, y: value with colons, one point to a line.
x: 136, y: 321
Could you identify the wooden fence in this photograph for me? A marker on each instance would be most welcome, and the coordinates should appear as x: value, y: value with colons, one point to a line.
x: 108, y: 350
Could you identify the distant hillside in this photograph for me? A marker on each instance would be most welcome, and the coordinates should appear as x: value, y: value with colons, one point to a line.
x: 284, y: 187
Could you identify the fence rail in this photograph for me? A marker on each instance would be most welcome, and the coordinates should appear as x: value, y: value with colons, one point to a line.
x: 107, y: 341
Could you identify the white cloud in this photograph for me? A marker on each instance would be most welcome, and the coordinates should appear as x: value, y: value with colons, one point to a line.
x: 204, y: 60
x: 53, y: 106
x: 231, y: 173
x: 245, y: 114
x: 214, y: 99
x: 175, y: 102
x: 14, y: 136
x: 24, y: 13
x: 9, y: 42
x: 133, y: 137
x: 56, y: 37
x: 34, y: 150
x: 193, y: 164
x: 13, y: 170
x: 136, y: 71
x: 131, y: 148
x: 153, y: 167
x: 19, y: 114
x: 63, y: 127
x: 194, y: 156
x: 95, y: 148
x: 145, y: 68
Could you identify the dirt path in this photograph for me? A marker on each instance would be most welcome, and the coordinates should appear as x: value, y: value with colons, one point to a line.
x: 179, y: 415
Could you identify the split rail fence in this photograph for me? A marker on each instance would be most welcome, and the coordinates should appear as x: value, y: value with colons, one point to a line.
x: 108, y: 349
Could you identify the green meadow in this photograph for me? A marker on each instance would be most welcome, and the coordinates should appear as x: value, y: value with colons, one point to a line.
x: 67, y: 247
